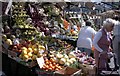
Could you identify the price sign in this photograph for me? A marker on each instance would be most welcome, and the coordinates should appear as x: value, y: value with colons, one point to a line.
x: 40, y: 62
x: 8, y: 7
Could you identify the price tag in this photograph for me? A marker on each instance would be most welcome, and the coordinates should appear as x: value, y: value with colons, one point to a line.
x: 43, y: 34
x: 16, y: 41
x: 40, y: 62
x: 76, y: 49
x: 61, y: 25
x: 53, y: 35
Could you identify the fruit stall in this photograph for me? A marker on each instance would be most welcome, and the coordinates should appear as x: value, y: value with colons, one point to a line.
x: 41, y: 40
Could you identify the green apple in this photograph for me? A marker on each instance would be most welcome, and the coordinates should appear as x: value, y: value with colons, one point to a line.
x: 4, y: 37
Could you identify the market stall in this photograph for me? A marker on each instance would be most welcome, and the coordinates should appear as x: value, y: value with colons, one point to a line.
x: 41, y: 39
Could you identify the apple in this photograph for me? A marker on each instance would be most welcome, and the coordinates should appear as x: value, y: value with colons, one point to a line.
x: 29, y: 45
x: 9, y: 41
x: 30, y: 49
x: 21, y: 56
x: 39, y: 55
x: 19, y: 46
x: 42, y: 47
x: 34, y: 57
x: 25, y: 57
x: 24, y: 48
x: 12, y: 37
x: 33, y: 46
x: 30, y: 54
x: 35, y: 51
x: 4, y: 37
x: 24, y: 52
x: 14, y: 47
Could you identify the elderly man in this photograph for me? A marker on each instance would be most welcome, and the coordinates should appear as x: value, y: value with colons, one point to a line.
x: 116, y: 39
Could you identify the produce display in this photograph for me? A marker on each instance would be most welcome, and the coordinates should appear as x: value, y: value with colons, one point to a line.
x: 64, y: 59
x: 59, y: 45
x: 84, y: 58
x: 23, y: 27
x: 19, y: 16
x: 51, y: 65
x: 32, y: 51
x: 8, y: 41
x: 48, y: 19
x: 36, y: 34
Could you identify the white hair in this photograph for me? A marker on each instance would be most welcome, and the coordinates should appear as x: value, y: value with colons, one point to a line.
x: 108, y: 22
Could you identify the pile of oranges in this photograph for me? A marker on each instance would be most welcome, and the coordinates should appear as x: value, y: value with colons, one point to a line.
x: 51, y: 65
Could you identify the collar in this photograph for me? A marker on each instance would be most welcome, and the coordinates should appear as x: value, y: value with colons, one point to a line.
x: 105, y: 31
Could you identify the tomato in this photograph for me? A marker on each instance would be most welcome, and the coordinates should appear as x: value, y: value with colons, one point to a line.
x: 56, y: 69
x: 50, y: 69
x: 47, y: 66
x: 46, y: 70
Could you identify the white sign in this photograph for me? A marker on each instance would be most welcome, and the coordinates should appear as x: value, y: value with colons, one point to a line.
x: 40, y: 62
x: 8, y: 7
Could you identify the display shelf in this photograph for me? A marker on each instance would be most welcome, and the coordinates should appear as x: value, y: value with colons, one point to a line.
x: 13, y: 55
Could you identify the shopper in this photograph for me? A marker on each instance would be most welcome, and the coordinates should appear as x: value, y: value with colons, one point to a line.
x: 102, y: 43
x: 116, y: 38
x: 85, y: 36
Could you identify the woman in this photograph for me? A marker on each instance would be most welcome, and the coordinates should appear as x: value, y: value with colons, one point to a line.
x: 102, y: 44
x: 84, y: 42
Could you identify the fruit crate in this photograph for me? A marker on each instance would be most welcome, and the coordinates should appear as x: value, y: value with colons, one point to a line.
x: 68, y: 71
x: 88, y: 70
x: 42, y: 72
x: 5, y: 47
x: 29, y: 64
x: 14, y: 55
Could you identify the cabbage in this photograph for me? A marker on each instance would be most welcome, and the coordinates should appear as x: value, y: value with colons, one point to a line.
x: 72, y: 55
x: 59, y: 55
x: 62, y: 61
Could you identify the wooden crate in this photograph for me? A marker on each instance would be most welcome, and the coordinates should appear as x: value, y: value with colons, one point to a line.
x: 88, y: 70
x: 68, y: 71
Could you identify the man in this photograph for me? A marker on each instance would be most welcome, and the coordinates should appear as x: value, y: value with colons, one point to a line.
x: 85, y: 37
x: 116, y: 38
